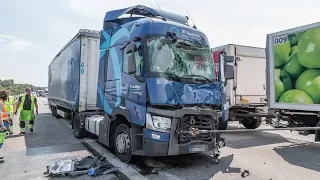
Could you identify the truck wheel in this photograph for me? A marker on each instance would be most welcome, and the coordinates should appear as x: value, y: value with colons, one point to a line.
x: 122, y: 143
x: 317, y: 133
x: 51, y: 107
x: 223, y: 124
x: 77, y: 131
x: 54, y: 111
x: 251, y: 123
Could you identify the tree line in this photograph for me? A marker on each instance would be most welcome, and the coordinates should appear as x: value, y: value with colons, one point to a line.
x: 15, y: 89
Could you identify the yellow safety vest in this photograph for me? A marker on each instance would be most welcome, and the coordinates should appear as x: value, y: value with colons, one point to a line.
x: 27, y: 115
x: 9, y: 103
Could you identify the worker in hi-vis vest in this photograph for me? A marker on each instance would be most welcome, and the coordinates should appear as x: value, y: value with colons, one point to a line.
x: 26, y: 103
x: 9, y: 103
x: 4, y: 119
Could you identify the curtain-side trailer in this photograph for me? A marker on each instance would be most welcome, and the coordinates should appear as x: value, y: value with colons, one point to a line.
x: 73, y: 76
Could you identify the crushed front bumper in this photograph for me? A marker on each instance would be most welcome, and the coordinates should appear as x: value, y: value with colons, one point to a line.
x: 173, y: 143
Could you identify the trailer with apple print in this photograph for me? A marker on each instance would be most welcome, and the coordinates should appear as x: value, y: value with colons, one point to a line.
x: 293, y: 76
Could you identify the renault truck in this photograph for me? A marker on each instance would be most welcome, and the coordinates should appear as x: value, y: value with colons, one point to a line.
x: 293, y: 71
x: 144, y: 85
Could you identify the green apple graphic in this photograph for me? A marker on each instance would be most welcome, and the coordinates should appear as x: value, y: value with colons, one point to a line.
x: 294, y: 49
x: 295, y: 96
x: 294, y: 38
x: 309, y: 48
x: 309, y: 82
x: 282, y: 82
x: 293, y: 67
x: 281, y: 53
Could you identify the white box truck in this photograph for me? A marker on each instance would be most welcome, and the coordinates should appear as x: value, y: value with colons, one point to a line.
x: 247, y: 91
x: 293, y: 76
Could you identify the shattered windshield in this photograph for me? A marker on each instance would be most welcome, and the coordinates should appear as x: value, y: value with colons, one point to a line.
x: 182, y: 58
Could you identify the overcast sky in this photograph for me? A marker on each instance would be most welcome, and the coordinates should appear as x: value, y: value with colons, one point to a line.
x: 33, y: 31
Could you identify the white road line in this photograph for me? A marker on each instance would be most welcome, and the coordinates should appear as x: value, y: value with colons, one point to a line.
x: 124, y: 168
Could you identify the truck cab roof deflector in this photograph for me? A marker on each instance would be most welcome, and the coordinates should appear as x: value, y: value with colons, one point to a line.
x: 145, y: 11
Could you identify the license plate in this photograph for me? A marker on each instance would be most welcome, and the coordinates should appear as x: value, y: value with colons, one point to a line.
x: 198, y: 148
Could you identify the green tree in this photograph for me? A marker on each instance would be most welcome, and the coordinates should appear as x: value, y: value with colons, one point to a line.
x: 15, y: 89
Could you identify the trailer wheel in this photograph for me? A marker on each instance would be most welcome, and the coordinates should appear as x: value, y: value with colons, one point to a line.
x: 317, y: 133
x: 251, y: 123
x: 122, y: 143
x: 223, y: 124
x: 77, y: 130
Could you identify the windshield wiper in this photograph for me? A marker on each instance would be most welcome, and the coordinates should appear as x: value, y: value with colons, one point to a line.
x: 174, y: 75
x: 196, y: 75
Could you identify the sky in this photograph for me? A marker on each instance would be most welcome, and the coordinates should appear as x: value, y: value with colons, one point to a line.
x: 32, y: 32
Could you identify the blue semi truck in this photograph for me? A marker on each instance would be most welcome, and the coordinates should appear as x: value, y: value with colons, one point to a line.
x: 144, y: 85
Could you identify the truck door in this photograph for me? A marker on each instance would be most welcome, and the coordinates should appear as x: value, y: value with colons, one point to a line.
x: 133, y: 83
x: 219, y: 72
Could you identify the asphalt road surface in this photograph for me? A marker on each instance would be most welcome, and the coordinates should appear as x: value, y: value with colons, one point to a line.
x: 26, y: 157
x: 265, y: 155
x: 277, y: 155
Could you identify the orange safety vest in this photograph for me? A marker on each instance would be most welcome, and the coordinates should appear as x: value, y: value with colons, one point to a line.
x: 5, y: 113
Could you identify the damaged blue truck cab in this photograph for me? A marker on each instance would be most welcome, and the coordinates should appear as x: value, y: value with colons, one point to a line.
x: 156, y: 85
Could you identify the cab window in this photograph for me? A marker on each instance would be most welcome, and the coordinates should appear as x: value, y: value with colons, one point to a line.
x: 138, y: 56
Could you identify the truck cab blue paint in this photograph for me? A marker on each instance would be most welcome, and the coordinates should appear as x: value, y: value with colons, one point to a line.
x: 167, y: 92
x: 156, y: 136
x: 114, y: 84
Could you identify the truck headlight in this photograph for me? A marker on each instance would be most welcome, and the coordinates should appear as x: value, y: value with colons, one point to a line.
x: 158, y: 123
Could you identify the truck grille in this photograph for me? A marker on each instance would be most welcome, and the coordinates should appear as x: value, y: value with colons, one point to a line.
x: 202, y: 122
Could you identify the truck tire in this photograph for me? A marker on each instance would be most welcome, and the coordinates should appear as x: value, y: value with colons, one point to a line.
x: 77, y: 130
x: 51, y: 108
x: 122, y: 143
x: 223, y: 124
x: 317, y: 133
x: 54, y: 111
x: 251, y: 123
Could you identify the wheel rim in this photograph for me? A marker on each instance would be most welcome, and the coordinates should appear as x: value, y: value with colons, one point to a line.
x: 123, y: 142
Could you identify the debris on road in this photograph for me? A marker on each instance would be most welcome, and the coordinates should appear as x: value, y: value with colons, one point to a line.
x: 93, y: 166
x: 245, y: 173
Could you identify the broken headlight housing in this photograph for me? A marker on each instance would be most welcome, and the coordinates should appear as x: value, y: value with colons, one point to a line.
x: 158, y: 123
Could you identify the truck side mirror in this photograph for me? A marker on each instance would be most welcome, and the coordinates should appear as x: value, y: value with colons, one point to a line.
x: 132, y: 64
x: 131, y: 48
x: 229, y: 72
x: 228, y: 58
